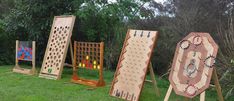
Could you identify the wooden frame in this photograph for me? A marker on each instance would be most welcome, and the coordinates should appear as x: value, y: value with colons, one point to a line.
x: 19, y: 69
x: 193, y: 65
x: 57, y: 47
x: 130, y: 75
x: 88, y: 55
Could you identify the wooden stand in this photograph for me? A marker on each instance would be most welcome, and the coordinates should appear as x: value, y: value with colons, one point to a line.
x: 152, y: 76
x: 57, y: 46
x: 18, y: 69
x: 72, y: 58
x: 202, y: 95
x: 75, y: 78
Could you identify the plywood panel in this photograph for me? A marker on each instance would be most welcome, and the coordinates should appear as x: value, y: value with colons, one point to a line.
x: 133, y: 64
x: 193, y: 64
x: 57, y: 46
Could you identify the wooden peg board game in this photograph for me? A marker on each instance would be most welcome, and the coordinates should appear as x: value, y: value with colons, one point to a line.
x: 133, y: 64
x: 57, y: 47
x: 193, y: 64
x: 88, y: 55
x: 25, y: 51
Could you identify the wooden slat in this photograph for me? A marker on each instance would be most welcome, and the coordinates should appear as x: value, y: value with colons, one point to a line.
x: 153, y: 79
x: 202, y: 96
x: 168, y: 93
x: 217, y: 85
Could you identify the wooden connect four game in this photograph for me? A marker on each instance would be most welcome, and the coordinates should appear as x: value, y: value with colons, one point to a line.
x: 193, y: 64
x: 57, y: 47
x: 133, y: 64
x: 25, y: 51
x: 88, y: 55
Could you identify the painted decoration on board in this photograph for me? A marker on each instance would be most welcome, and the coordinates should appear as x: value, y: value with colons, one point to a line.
x: 193, y: 64
x: 24, y: 51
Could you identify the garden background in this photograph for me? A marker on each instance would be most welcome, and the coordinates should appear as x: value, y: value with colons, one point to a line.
x: 108, y: 21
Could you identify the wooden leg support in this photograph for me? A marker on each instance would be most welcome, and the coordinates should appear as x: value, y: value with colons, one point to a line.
x: 153, y: 80
x: 202, y: 96
x: 217, y: 85
x: 168, y: 93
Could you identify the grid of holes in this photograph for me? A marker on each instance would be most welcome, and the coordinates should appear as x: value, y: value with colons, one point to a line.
x: 84, y: 49
x: 56, y: 47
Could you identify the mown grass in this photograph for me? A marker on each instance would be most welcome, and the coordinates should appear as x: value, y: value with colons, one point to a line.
x: 19, y: 87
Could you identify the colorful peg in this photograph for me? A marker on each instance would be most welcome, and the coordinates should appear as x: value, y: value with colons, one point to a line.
x: 94, y: 66
x: 83, y: 65
x: 94, y: 62
x: 87, y: 57
x: 98, y: 67
x: 80, y: 64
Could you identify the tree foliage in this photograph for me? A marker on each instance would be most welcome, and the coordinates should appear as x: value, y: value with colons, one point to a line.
x: 108, y: 21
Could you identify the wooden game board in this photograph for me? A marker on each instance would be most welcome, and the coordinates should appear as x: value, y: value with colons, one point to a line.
x: 133, y: 64
x: 25, y: 51
x: 57, y: 47
x: 193, y: 64
x: 88, y: 55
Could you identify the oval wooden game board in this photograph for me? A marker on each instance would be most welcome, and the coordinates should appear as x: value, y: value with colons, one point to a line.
x: 57, y: 47
x: 193, y: 64
x: 133, y: 64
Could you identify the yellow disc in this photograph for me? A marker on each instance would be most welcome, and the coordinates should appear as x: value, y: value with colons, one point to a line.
x: 80, y: 64
x: 87, y: 57
x: 83, y: 65
x: 98, y: 66
x: 94, y: 62
x: 94, y: 66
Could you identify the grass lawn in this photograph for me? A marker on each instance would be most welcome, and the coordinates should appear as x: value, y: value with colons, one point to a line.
x: 19, y: 87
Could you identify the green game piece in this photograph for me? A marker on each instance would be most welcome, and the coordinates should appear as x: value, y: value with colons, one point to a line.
x: 49, y: 70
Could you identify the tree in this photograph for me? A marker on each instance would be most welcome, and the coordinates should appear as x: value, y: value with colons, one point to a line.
x: 32, y: 19
x: 95, y: 21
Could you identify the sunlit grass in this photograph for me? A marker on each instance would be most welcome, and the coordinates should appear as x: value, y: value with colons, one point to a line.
x: 19, y: 87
